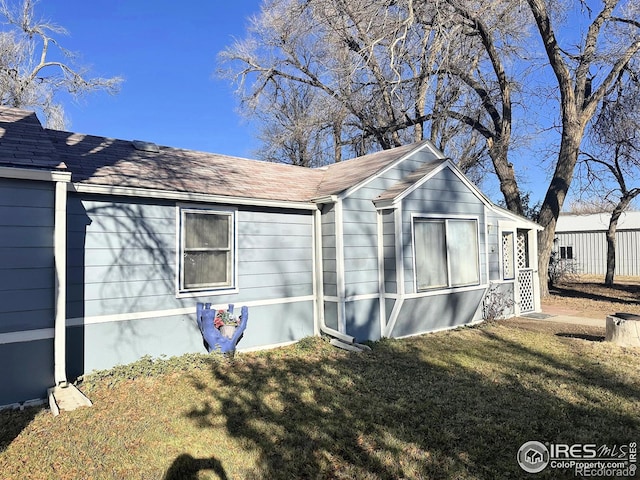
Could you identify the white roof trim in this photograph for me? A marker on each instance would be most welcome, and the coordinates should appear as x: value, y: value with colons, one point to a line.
x: 426, y: 144
x: 35, y: 174
x: 186, y: 196
x: 446, y: 164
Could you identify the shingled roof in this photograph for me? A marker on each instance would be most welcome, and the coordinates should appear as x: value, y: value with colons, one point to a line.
x: 23, y: 142
x: 97, y: 160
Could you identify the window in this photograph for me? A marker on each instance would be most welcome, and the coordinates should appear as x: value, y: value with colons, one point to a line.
x: 566, y: 253
x: 206, y: 250
x: 446, y: 253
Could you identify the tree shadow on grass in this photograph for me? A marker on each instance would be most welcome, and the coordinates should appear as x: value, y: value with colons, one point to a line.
x: 12, y: 422
x: 426, y: 407
x: 186, y: 467
x: 632, y: 291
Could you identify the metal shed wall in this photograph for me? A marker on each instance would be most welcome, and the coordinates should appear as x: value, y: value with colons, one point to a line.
x: 590, y: 251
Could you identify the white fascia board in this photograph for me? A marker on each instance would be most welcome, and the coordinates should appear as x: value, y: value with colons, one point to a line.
x: 426, y: 144
x: 186, y: 196
x: 514, y: 217
x: 33, y: 174
x: 327, y: 199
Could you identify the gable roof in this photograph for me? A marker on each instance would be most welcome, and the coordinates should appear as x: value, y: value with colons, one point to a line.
x: 23, y: 142
x: 344, y: 175
x: 102, y: 161
x: 399, y: 189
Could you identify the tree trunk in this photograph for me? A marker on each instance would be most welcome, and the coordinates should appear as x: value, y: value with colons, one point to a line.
x: 611, y: 254
x: 567, y: 158
x: 498, y: 151
x: 622, y: 205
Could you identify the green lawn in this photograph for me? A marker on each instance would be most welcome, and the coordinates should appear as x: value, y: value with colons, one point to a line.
x: 455, y: 404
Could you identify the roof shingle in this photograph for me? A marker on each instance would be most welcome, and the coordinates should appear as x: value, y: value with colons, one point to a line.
x: 106, y: 161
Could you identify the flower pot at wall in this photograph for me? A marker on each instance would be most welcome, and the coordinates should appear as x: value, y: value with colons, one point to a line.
x: 228, y: 330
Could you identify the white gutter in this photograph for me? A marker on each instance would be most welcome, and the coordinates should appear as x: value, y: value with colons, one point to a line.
x: 32, y: 174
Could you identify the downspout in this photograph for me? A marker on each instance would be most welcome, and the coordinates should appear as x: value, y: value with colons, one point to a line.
x: 63, y: 395
x: 60, y: 267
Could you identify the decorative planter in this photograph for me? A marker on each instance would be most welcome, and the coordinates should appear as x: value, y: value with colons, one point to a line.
x: 623, y: 329
x: 228, y: 330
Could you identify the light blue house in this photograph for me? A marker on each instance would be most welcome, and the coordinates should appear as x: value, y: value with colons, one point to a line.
x: 107, y: 245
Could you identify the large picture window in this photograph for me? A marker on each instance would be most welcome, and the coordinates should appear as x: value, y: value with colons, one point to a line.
x: 206, y: 250
x: 446, y: 253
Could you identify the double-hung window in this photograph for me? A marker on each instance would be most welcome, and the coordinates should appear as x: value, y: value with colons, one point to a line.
x: 206, y: 250
x: 446, y: 253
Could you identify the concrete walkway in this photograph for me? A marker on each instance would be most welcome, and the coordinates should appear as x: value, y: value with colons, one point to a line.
x: 560, y: 315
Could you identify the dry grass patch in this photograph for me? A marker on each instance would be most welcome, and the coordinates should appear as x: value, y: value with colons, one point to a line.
x: 455, y: 404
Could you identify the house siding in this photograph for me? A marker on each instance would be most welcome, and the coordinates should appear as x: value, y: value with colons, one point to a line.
x: 26, y: 369
x: 443, y: 196
x: 27, y: 287
x: 438, y: 312
x: 122, y: 261
x: 27, y: 279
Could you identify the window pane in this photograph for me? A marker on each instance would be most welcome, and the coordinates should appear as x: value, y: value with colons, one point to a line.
x: 206, y: 269
x: 462, y: 241
x: 206, y: 230
x: 431, y: 254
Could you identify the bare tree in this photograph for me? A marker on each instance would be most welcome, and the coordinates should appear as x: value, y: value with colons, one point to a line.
x: 28, y: 78
x: 615, y: 141
x: 584, y: 76
x: 385, y: 73
x: 402, y: 70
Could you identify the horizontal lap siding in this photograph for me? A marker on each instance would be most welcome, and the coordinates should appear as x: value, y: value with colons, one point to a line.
x: 122, y: 259
x: 329, y: 276
x: 120, y: 256
x: 443, y: 196
x: 494, y: 247
x: 389, y: 242
x: 360, y: 227
x: 27, y: 279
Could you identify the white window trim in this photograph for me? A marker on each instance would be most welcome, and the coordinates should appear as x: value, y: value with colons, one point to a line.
x: 444, y: 217
x: 224, y: 290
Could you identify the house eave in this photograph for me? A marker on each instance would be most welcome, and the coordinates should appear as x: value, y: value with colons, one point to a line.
x: 80, y: 187
x: 35, y: 174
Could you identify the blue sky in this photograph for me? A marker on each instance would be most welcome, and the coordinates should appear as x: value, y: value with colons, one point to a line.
x: 166, y: 51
